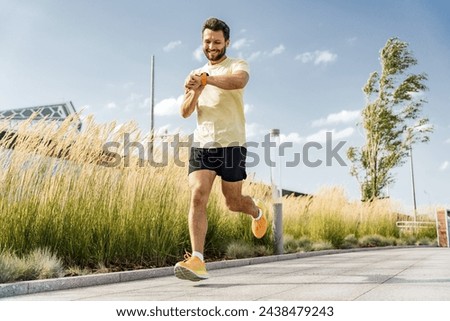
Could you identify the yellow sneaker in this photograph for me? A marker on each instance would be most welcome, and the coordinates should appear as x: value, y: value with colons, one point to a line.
x: 259, y: 227
x: 192, y: 269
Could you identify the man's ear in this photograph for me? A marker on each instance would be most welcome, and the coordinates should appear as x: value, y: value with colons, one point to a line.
x: 227, y: 43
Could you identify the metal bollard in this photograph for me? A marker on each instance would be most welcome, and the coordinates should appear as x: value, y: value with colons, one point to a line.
x: 275, y: 175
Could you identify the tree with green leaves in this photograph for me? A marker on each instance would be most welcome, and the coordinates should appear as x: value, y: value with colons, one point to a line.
x: 392, y: 120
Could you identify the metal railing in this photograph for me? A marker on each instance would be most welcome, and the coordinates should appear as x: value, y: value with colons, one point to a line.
x: 414, y: 225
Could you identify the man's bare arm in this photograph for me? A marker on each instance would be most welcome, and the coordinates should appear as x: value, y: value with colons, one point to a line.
x: 238, y: 80
x: 190, y: 101
x: 193, y: 88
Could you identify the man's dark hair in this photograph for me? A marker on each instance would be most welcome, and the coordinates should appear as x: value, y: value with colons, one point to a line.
x: 215, y: 24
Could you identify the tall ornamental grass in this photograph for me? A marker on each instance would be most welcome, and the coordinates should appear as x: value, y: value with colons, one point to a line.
x: 84, y: 211
x: 60, y: 192
x: 330, y: 216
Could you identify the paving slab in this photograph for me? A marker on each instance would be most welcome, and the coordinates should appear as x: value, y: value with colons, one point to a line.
x: 391, y: 274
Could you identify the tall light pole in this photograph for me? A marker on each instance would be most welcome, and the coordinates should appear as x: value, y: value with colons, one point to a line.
x: 152, y: 104
x: 410, y: 139
x: 413, y: 183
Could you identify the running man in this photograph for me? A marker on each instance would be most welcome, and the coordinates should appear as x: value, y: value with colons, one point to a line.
x: 215, y: 92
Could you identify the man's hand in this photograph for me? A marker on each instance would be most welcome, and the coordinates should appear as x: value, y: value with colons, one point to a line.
x: 192, y: 90
x: 194, y: 82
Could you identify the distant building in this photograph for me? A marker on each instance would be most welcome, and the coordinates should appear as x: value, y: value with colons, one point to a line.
x: 286, y: 192
x: 55, y: 112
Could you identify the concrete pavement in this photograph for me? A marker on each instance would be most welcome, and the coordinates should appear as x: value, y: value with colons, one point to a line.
x: 421, y: 273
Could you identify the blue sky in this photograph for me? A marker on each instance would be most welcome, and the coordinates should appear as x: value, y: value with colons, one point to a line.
x: 308, y: 59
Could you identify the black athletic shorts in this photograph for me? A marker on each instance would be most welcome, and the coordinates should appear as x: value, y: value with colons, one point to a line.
x: 227, y: 162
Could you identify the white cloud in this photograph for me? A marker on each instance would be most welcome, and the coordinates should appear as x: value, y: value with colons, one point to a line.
x: 345, y: 133
x: 254, y: 56
x: 444, y: 166
x: 447, y: 141
x: 198, y: 54
x: 305, y: 57
x: 344, y: 116
x: 277, y: 50
x: 325, y: 57
x: 168, y: 106
x: 321, y: 135
x: 317, y: 57
x: 111, y: 105
x: 291, y: 137
x: 240, y: 43
x: 259, y: 54
x: 254, y: 130
x: 136, y: 101
x: 172, y: 45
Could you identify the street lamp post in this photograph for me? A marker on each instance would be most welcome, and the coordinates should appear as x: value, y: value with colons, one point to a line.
x: 413, y: 183
x: 152, y: 104
x: 410, y: 139
x: 152, y: 94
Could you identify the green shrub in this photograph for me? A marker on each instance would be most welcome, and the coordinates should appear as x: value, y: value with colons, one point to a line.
x: 322, y: 246
x: 239, y: 250
x: 40, y: 264
x: 12, y: 268
x: 263, y: 250
x: 408, y: 239
x: 373, y: 241
x: 45, y: 264
x: 350, y: 242
x: 290, y: 245
x: 305, y: 243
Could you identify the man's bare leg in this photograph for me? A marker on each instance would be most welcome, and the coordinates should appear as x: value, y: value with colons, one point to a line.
x: 194, y: 268
x: 237, y: 202
x: 201, y: 183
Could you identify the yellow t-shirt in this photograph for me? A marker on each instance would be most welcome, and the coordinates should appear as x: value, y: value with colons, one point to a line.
x: 220, y: 112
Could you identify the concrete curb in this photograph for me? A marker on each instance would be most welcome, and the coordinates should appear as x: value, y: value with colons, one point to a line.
x: 37, y: 286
